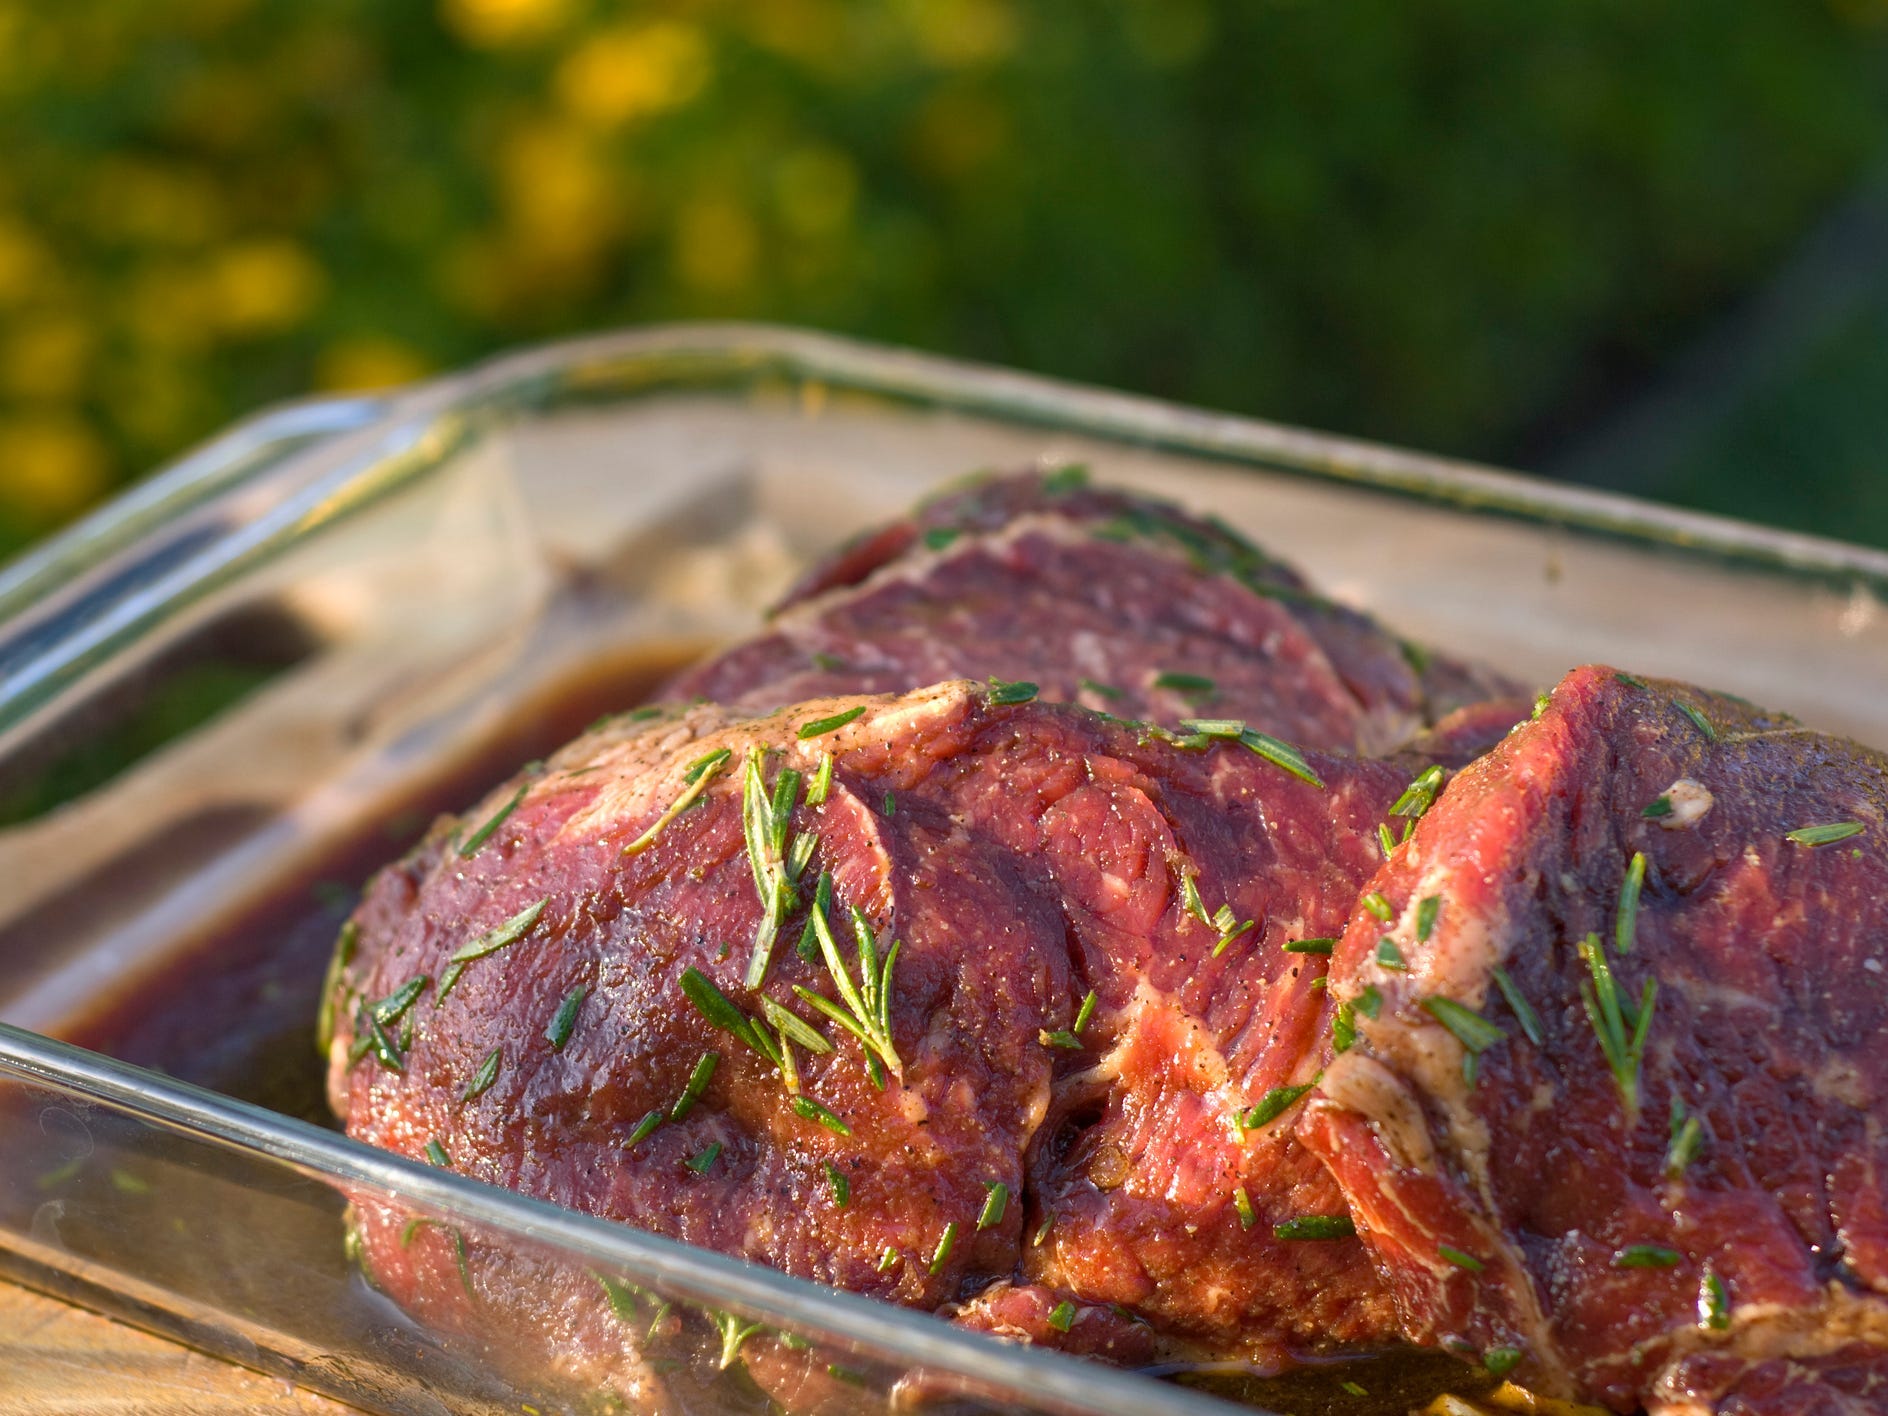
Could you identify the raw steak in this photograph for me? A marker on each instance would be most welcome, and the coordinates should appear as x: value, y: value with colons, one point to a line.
x: 1638, y: 1147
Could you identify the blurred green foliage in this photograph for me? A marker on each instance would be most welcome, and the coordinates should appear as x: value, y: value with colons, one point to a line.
x: 1450, y: 225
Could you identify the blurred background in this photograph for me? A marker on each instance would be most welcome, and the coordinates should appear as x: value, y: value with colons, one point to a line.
x: 1637, y: 245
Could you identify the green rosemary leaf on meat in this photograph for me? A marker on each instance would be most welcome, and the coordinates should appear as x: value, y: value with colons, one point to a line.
x: 827, y: 663
x: 622, y: 1297
x: 703, y: 1158
x: 1042, y: 1231
x: 1824, y: 835
x: 1228, y: 728
x: 1657, y: 807
x: 1426, y: 910
x: 409, y: 1029
x: 389, y: 1010
x: 345, y: 943
x: 1310, y: 946
x: 808, y: 947
x: 1419, y: 795
x: 840, y: 1186
x: 793, y: 1027
x: 1378, y: 906
x: 1621, y: 1030
x: 734, y: 1332
x: 1633, y: 680
x: 1282, y: 755
x: 1353, y: 1389
x: 1369, y: 1002
x: 891, y: 803
x: 436, y: 1154
x: 1084, y: 1013
x: 1344, y: 1028
x: 1540, y: 707
x: 938, y: 537
x: 1062, y: 1317
x: 1242, y: 1202
x: 1647, y: 1256
x: 1069, y: 477
x: 1499, y: 1361
x: 719, y: 1010
x: 1523, y: 1011
x: 459, y: 1260
x: 645, y: 1128
x: 813, y: 1111
x: 1005, y: 694
x: 1389, y: 956
x: 564, y: 1021
x: 1626, y: 926
x: 697, y: 1083
x: 1687, y: 1140
x: 504, y: 935
x: 484, y: 833
x: 764, y: 822
x: 1190, y: 897
x: 941, y: 1255
x: 867, y: 1005
x: 800, y: 855
x: 1103, y: 689
x: 1316, y: 1227
x: 887, y: 1259
x: 1274, y: 1104
x: 386, y: 1051
x: 481, y: 1080
x: 1702, y: 723
x: 1470, y: 1028
x: 1230, y: 928
x: 695, y: 781
x: 1189, y: 684
x: 994, y: 1204
x: 1460, y: 1259
x: 822, y: 782
x: 1060, y: 1037
x: 1385, y: 841
x: 1714, y: 1303
x: 819, y: 727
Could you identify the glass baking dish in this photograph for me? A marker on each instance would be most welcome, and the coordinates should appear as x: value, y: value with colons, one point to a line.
x: 255, y: 677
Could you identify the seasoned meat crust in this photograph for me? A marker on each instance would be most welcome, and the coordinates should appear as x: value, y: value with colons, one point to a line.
x: 1121, y: 603
x: 1022, y: 856
x: 1640, y: 1148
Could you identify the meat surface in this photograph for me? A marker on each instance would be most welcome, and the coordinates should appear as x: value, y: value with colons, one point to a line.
x: 997, y: 1145
x: 1124, y: 604
x: 1616, y: 1109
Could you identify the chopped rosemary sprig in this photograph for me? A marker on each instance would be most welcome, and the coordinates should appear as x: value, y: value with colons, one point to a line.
x: 1282, y: 755
x: 1274, y: 1104
x: 1085, y: 1012
x: 1714, y: 1303
x: 1499, y: 1361
x: 867, y: 1013
x: 764, y: 822
x: 719, y: 1010
x: 697, y: 1083
x: 840, y: 1186
x: 1426, y: 910
x: 1470, y: 1028
x: 1631, y: 679
x: 938, y: 537
x: 1825, y: 835
x: 484, y: 833
x: 1686, y: 1141
x: 389, y: 1010
x: 645, y: 1128
x: 1389, y: 956
x: 1524, y: 1013
x: 994, y: 1204
x: 436, y: 1154
x: 1228, y: 728
x: 376, y: 1040
x: 1657, y: 807
x: 344, y: 946
x: 1316, y: 1227
x: 1460, y: 1259
x: 793, y: 1028
x: 1230, y: 928
x: 941, y: 1255
x: 1353, y: 1388
x: 481, y: 1080
x: 1042, y: 1231
x: 1006, y: 694
x: 1647, y: 1256
x: 1378, y: 906
x: 703, y: 1158
x: 891, y: 803
x: 1190, y: 897
x: 1621, y: 1030
x: 822, y: 782
x: 1062, y: 1317
x: 1242, y: 1202
x: 1419, y: 795
x: 695, y: 781
x: 1059, y: 1037
x: 1626, y: 927
x: 733, y: 1332
x: 819, y: 727
x: 1190, y: 684
x: 1385, y: 841
x: 808, y: 947
x: 622, y: 1296
x: 813, y: 1111
x: 1702, y: 723
x: 1369, y: 1002
x: 1105, y: 690
x: 1310, y: 946
x: 800, y: 854
x: 887, y: 1259
x: 490, y: 942
x: 1069, y: 477
x: 564, y: 1021
x: 1344, y: 1028
x: 827, y: 663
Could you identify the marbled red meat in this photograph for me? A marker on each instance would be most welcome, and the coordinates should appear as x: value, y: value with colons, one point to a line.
x: 1023, y: 855
x: 1702, y: 1228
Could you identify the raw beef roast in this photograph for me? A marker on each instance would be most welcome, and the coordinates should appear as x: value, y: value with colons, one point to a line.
x: 1608, y: 1083
x: 1124, y: 604
x: 968, y: 1002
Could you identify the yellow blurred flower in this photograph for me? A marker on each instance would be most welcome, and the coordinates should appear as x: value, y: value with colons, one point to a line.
x: 963, y: 33
x: 716, y: 244
x: 815, y: 189
x: 46, y: 358
x: 494, y: 24
x: 262, y: 287
x: 25, y: 262
x: 628, y: 72
x: 147, y: 203
x: 368, y: 361
x: 51, y: 465
x: 558, y: 190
